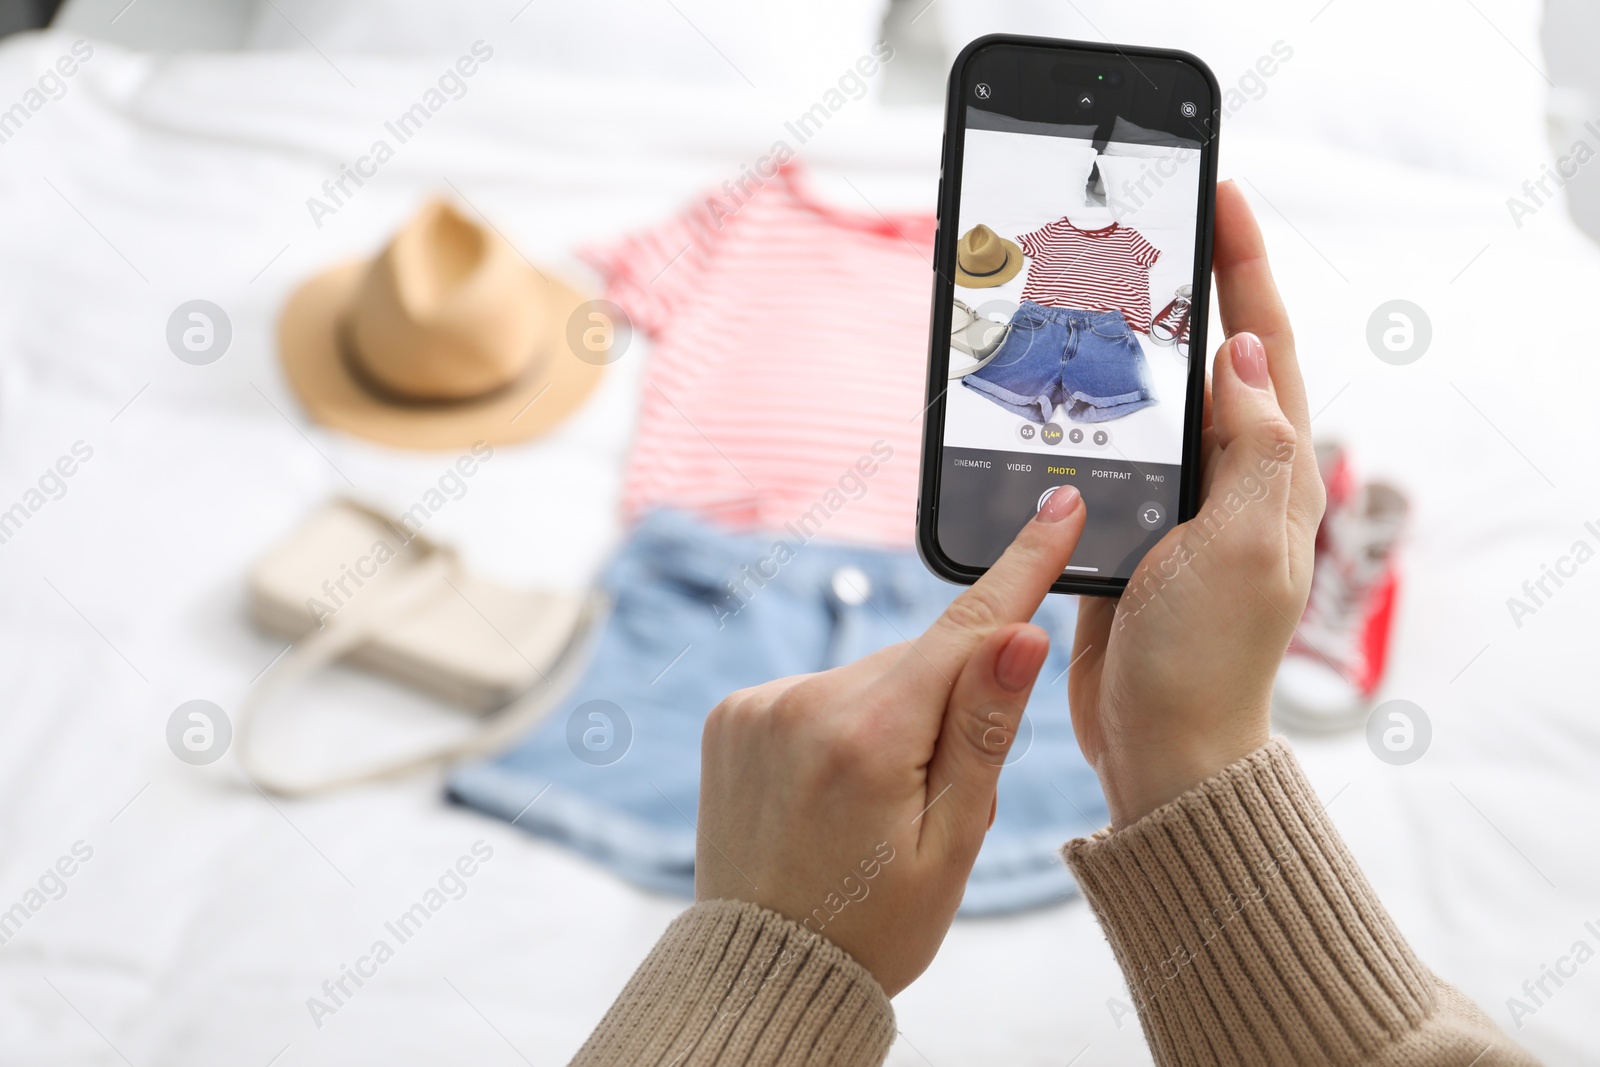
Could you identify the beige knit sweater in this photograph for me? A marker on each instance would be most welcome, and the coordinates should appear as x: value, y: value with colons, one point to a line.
x: 1246, y: 933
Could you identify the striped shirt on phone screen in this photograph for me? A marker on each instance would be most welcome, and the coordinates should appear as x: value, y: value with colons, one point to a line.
x: 1091, y: 270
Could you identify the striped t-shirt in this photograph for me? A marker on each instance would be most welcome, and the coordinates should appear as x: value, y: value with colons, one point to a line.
x: 784, y: 388
x: 1091, y: 270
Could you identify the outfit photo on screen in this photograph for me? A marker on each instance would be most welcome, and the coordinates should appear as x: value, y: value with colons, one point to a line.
x: 1071, y: 344
x: 1092, y: 357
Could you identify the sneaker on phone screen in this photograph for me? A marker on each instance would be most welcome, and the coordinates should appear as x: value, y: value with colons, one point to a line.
x: 1341, y: 647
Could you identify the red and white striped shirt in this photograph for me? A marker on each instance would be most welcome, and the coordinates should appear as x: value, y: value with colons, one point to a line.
x: 789, y: 356
x: 1091, y: 270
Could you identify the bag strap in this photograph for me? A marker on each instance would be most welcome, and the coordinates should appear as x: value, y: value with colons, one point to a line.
x: 982, y: 363
x: 410, y: 592
x: 1005, y: 331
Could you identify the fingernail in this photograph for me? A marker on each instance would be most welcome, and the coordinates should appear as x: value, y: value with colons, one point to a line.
x: 1061, y: 503
x: 1250, y: 360
x: 1018, y: 663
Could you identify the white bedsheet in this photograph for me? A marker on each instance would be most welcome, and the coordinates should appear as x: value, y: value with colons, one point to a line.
x: 207, y: 916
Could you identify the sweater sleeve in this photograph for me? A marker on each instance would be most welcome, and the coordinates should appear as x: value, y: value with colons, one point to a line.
x: 733, y: 983
x: 1248, y: 936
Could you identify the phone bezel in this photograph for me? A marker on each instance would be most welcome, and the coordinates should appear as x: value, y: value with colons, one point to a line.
x: 944, y: 292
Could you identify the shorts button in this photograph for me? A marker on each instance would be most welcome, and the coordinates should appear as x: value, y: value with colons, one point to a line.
x: 851, y: 586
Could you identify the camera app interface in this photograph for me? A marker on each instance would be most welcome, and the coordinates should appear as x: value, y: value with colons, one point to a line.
x: 1070, y: 348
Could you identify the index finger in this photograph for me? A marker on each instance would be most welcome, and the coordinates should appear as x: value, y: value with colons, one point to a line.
x: 1010, y: 592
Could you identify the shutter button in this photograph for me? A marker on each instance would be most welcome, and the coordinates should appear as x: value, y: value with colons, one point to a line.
x: 851, y: 586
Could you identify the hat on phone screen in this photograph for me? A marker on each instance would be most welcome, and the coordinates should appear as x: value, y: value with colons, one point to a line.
x: 445, y: 338
x: 984, y: 259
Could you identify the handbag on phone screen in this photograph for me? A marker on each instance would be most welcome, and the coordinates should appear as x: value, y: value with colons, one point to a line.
x: 975, y: 336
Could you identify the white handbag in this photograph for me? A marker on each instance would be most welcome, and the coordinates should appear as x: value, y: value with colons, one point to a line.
x: 975, y: 336
x: 353, y: 585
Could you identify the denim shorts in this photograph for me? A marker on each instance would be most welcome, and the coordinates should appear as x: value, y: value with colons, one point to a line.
x: 1088, y: 361
x: 699, y: 612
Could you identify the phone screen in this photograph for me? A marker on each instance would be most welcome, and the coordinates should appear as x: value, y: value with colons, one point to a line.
x: 1074, y: 257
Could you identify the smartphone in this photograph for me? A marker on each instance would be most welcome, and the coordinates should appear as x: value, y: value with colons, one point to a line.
x: 1072, y: 270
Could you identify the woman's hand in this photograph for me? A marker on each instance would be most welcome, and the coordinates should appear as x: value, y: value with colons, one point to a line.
x: 1173, y: 681
x: 854, y: 801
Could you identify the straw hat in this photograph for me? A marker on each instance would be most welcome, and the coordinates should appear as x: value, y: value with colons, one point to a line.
x: 448, y: 337
x: 984, y: 259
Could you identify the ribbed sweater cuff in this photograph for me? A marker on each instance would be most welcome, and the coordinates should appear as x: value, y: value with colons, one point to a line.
x: 1245, y: 930
x: 731, y: 982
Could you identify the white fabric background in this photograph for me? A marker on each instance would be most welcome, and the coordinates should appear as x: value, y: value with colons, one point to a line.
x: 725, y: 43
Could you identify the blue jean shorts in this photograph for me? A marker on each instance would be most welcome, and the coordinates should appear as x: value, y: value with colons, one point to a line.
x: 698, y: 613
x: 1088, y: 361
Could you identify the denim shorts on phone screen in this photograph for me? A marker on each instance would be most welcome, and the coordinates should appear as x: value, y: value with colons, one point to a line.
x: 1088, y: 361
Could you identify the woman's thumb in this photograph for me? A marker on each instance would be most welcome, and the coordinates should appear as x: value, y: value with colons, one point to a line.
x: 1257, y: 439
x: 1244, y: 403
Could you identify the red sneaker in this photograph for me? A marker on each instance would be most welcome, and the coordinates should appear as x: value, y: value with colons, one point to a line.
x: 1340, y: 649
x: 1171, y: 324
